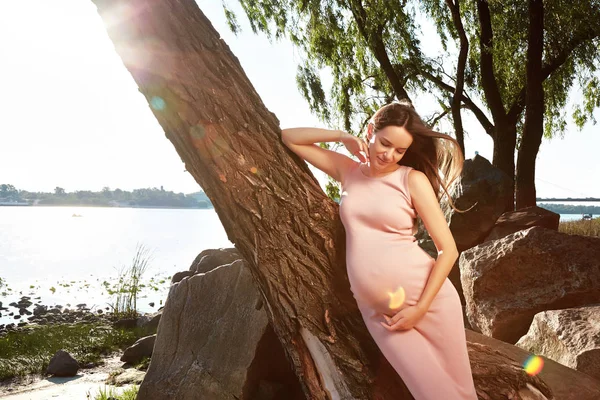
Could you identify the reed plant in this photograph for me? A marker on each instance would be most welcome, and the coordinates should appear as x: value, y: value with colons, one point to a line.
x: 589, y: 227
x: 129, y: 284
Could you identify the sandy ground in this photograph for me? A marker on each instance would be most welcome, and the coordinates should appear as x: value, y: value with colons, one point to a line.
x: 85, y: 385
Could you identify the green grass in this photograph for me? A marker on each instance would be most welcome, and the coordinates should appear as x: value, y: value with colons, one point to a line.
x: 585, y: 228
x: 109, y: 393
x: 30, y: 353
x: 143, y: 364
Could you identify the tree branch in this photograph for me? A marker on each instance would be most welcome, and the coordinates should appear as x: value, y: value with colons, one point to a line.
x: 479, y: 114
x: 376, y: 45
x: 460, y: 71
x: 518, y: 106
x: 488, y: 79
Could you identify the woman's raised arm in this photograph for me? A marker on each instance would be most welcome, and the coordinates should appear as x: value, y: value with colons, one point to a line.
x: 302, y: 142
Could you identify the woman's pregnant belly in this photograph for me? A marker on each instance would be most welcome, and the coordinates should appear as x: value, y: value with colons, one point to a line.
x: 379, y: 272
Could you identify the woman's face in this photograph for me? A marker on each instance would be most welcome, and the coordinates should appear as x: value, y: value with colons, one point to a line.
x: 387, y: 146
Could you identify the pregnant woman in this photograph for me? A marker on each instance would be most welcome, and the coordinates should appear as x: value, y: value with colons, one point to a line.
x: 409, y: 306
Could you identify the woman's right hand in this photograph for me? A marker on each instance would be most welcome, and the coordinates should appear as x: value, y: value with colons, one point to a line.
x: 356, y: 146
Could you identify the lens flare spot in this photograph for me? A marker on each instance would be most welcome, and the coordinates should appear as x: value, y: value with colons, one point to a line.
x: 197, y: 132
x: 157, y: 103
x: 397, y: 298
x: 253, y: 170
x: 533, y: 365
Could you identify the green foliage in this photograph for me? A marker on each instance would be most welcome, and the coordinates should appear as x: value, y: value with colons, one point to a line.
x: 111, y: 393
x: 127, y: 287
x: 570, y: 208
x: 9, y: 193
x: 30, y: 352
x: 333, y: 190
x: 341, y: 37
x: 358, y: 41
x: 143, y: 364
x: 591, y: 101
x: 152, y: 197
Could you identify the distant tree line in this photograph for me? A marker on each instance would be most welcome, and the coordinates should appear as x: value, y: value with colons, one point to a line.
x: 570, y: 209
x: 151, y: 197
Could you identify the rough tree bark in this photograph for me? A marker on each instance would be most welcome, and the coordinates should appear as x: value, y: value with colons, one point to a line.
x: 533, y: 130
x: 454, y: 6
x: 269, y: 203
x: 505, y: 133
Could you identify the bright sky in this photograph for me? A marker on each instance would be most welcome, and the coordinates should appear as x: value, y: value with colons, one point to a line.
x: 71, y: 114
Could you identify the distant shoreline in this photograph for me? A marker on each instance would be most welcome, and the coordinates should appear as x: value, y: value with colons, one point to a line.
x: 100, y: 206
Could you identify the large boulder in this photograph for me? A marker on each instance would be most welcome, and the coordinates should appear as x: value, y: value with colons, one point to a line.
x: 525, y: 218
x: 509, y: 280
x: 486, y: 189
x: 211, y: 258
x: 214, y: 341
x: 570, y: 337
x: 207, y: 260
x: 565, y: 383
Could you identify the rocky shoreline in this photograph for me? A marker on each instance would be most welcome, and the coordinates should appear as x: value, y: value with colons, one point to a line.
x: 43, y: 315
x: 119, y: 368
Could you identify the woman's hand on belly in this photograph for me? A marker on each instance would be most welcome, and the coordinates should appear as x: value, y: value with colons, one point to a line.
x: 404, y: 319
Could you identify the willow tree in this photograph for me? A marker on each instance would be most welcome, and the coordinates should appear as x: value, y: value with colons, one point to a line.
x: 374, y: 54
x: 269, y: 203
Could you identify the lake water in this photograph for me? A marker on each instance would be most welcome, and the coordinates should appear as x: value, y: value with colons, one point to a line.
x: 46, y: 247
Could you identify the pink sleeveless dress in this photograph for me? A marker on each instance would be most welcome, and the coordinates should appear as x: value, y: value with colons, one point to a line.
x: 381, y: 255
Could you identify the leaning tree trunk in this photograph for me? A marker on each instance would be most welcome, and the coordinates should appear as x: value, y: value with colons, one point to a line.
x: 270, y: 205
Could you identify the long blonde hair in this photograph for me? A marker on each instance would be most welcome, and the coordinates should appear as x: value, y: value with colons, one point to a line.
x: 431, y: 152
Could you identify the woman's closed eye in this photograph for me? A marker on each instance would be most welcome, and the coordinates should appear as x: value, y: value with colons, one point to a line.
x: 388, y: 145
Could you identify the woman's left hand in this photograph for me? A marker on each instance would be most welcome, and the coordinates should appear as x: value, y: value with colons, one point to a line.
x: 404, y: 319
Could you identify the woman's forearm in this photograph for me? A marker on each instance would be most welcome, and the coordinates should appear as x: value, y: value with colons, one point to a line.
x: 311, y: 135
x: 437, y: 277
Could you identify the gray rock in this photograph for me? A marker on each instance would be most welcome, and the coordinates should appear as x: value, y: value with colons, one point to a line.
x: 570, y: 337
x: 141, y: 348
x: 487, y: 189
x: 209, y: 339
x: 210, y: 259
x: 128, y: 376
x: 149, y: 321
x: 486, y: 185
x: 178, y: 276
x: 480, y: 183
x: 62, y: 364
x: 127, y: 323
x: 514, y: 221
x: 509, y: 280
x: 40, y: 309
